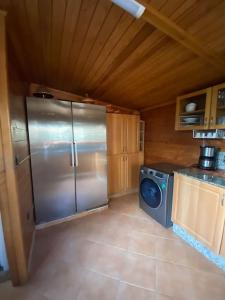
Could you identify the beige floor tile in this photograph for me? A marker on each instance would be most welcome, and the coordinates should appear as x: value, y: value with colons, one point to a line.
x: 107, y: 260
x: 142, y: 243
x: 161, y: 231
x: 162, y: 297
x: 144, y: 225
x: 129, y: 292
x: 209, y: 286
x: 65, y: 284
x: 175, y: 281
x: 96, y: 287
x: 86, y: 258
x: 126, y: 204
x: 7, y: 292
x: 179, y: 252
x: 183, y: 283
x: 140, y: 270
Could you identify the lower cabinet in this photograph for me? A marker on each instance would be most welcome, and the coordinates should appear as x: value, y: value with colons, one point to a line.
x: 123, y: 173
x: 199, y: 208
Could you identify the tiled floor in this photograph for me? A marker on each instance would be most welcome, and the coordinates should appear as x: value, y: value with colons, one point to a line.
x: 118, y: 254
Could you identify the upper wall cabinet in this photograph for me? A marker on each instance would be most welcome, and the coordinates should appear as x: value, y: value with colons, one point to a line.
x: 204, y: 109
x: 193, y: 110
x: 217, y: 119
x: 115, y: 134
x: 122, y: 133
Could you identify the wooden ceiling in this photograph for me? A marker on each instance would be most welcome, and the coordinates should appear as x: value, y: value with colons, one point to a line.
x: 94, y: 47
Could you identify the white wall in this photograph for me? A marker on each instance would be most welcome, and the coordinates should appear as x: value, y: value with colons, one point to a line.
x: 3, y: 255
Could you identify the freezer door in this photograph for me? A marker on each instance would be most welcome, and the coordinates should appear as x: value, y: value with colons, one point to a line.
x: 52, y: 153
x: 89, y: 128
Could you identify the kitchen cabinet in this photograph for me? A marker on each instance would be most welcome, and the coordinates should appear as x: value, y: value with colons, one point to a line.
x: 209, y: 112
x: 123, y: 133
x: 131, y: 127
x: 199, y: 208
x: 133, y: 165
x: 124, y: 157
x: 217, y: 118
x: 116, y: 174
x: 197, y: 119
x: 123, y: 173
x: 115, y: 134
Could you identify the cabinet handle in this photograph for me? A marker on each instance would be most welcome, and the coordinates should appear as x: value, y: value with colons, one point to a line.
x: 211, y: 120
x: 206, y: 120
x: 222, y: 200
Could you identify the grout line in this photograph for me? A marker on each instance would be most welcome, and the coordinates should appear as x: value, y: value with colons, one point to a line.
x: 138, y: 286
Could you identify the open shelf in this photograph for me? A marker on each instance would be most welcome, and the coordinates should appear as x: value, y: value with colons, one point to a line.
x: 195, y: 112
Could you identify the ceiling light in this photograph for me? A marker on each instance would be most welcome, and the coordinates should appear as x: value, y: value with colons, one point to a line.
x: 131, y: 6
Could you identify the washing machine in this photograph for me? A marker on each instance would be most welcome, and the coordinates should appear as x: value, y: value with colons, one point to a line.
x: 156, y: 191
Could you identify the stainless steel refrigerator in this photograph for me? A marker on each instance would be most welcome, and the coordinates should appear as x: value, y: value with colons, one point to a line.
x: 68, y: 157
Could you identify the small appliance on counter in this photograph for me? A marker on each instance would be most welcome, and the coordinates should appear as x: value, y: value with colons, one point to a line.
x: 207, y: 158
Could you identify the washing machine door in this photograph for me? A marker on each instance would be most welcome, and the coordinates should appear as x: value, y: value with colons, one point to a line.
x: 151, y: 192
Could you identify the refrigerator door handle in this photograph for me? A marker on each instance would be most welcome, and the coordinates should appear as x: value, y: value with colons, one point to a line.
x: 76, y: 156
x: 72, y: 156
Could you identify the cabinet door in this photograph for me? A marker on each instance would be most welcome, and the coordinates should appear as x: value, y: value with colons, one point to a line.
x: 210, y: 216
x: 185, y: 198
x: 115, y: 174
x: 198, y: 208
x: 133, y: 165
x: 217, y: 117
x: 132, y: 133
x: 197, y: 117
x: 115, y: 133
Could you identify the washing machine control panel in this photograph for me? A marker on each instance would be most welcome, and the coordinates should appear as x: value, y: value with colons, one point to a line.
x: 154, y: 173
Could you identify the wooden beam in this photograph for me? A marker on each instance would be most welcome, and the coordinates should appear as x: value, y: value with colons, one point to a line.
x: 170, y: 28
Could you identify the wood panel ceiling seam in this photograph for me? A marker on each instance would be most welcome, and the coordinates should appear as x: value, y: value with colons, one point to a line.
x: 87, y: 79
x: 124, y: 56
x: 31, y: 17
x: 144, y: 81
x: 60, y: 52
x: 100, y: 82
x: 90, y: 60
x: 87, y: 12
x: 94, y: 42
x: 45, y: 33
x: 207, y: 15
x: 154, y: 17
x: 71, y: 14
x: 154, y: 61
x: 129, y: 74
x: 73, y: 39
x: 15, y: 43
x: 101, y: 66
x: 58, y: 22
x: 83, y: 42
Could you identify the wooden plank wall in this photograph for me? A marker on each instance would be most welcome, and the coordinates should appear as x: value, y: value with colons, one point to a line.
x: 17, y: 92
x: 164, y: 144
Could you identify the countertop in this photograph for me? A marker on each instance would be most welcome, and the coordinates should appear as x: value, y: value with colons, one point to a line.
x: 216, y: 177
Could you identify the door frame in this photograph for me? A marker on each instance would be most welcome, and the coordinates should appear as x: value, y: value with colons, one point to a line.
x: 9, y: 202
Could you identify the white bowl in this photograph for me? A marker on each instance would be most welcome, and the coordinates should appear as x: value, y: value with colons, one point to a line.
x: 190, y: 119
x: 190, y: 107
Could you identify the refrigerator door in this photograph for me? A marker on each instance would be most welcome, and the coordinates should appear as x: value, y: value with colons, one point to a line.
x: 52, y: 155
x: 89, y: 128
